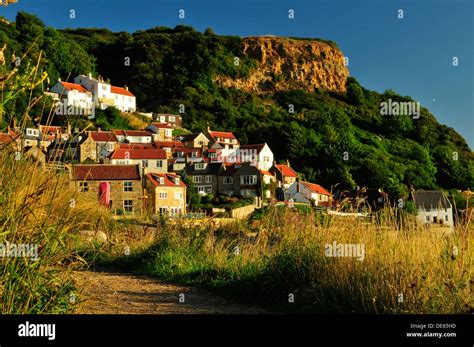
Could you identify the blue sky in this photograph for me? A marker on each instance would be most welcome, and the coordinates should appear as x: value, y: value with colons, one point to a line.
x: 412, y: 56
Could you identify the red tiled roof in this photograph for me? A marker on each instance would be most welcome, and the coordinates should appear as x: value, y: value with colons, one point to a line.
x: 168, y: 180
x: 121, y: 91
x: 103, y: 136
x: 73, y: 86
x: 105, y: 172
x: 316, y: 188
x: 286, y: 170
x: 118, y: 132
x: 173, y: 144
x: 162, y: 125
x: 5, y: 139
x: 136, y: 133
x: 222, y: 134
x: 266, y: 173
x: 145, y: 153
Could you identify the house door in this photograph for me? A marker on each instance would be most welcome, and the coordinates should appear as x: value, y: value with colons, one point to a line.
x: 104, y: 193
x: 435, y: 220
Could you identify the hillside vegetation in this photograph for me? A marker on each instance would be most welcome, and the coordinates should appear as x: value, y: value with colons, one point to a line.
x: 331, y: 137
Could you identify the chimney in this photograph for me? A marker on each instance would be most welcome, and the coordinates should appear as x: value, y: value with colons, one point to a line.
x: 98, y: 129
x: 297, y: 184
x: 287, y: 163
x: 126, y: 87
x: 89, y: 75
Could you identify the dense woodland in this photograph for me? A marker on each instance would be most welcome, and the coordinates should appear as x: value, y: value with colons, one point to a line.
x: 172, y: 67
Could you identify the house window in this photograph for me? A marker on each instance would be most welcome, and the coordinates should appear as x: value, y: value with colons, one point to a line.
x: 163, y: 195
x: 427, y: 218
x: 128, y: 205
x: 194, y: 154
x: 159, y: 164
x: 83, y: 186
x: 172, y: 119
x: 266, y: 159
x: 208, y: 179
x: 176, y: 210
x: 200, y: 166
x: 197, y: 179
x: 228, y: 180
x: 145, y: 163
x: 208, y: 190
x: 212, y: 155
x: 446, y: 218
x: 178, y: 196
x: 128, y: 186
x: 248, y: 179
x: 163, y: 210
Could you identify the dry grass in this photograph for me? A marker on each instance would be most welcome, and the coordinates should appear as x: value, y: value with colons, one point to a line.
x: 284, y: 253
x: 39, y: 207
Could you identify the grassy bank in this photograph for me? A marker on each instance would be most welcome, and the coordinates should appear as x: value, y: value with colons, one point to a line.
x: 282, y: 256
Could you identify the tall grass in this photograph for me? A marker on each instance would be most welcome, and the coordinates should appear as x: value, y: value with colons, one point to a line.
x: 37, y: 207
x: 413, y: 270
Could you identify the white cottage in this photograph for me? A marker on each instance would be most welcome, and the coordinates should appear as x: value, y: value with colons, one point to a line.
x: 105, y: 95
x: 433, y: 207
x: 261, y: 154
x: 309, y: 193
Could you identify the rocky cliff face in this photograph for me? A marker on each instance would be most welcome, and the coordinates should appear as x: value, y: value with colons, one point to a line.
x: 288, y: 64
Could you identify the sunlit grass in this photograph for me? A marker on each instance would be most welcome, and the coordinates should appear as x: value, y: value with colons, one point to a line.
x: 404, y: 271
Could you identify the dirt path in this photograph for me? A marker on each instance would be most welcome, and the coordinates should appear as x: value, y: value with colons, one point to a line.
x: 118, y: 293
